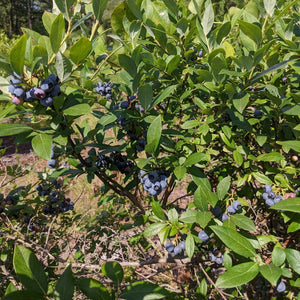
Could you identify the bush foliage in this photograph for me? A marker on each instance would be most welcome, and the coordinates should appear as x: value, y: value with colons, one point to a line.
x: 181, y: 97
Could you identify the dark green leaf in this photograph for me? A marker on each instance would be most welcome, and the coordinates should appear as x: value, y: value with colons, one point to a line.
x: 278, y: 255
x: 41, y: 145
x: 65, y: 7
x: 240, y: 101
x: 293, y: 258
x: 129, y: 65
x: 180, y: 172
x: 234, y: 240
x: 80, y: 50
x: 238, y: 275
x: 17, y: 55
x: 47, y: 19
x: 290, y: 204
x: 29, y: 270
x: 145, y: 95
x: 144, y: 291
x: 195, y: 158
x: 57, y: 32
x: 188, y: 216
x: 157, y: 210
x: 203, y: 218
x: 64, y: 287
x: 270, y: 272
x: 23, y: 295
x: 113, y: 270
x: 13, y: 129
x: 223, y: 31
x: 166, y: 92
x: 93, y: 289
x: 173, y: 63
x: 251, y: 30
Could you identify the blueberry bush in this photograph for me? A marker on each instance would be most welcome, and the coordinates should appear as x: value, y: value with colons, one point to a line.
x: 180, y: 98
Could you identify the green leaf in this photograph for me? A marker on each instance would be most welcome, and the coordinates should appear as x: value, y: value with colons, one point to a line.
x: 80, y: 50
x: 293, y: 258
x: 29, y: 270
x: 195, y: 158
x: 13, y: 129
x: 270, y: 272
x: 188, y: 216
x: 157, y: 210
x: 154, y: 134
x: 208, y: 18
x: 78, y: 110
x: 270, y: 6
x: 10, y: 289
x: 240, y: 101
x: 173, y: 216
x: 113, y: 270
x: 293, y: 111
x: 200, y: 199
x: 237, y: 156
x: 48, y: 19
x: 129, y: 65
x: 98, y: 8
x: 134, y: 9
x: 243, y: 222
x: 189, y: 245
x: 234, y: 240
x: 223, y: 31
x: 278, y: 255
x: 24, y: 295
x: 64, y: 287
x: 180, y: 172
x: 290, y: 204
x: 251, y: 30
x: 173, y: 63
x: 142, y: 290
x: 41, y: 145
x: 204, y: 195
x: 261, y: 178
x: 223, y: 187
x: 238, y: 275
x: 57, y: 32
x: 17, y: 55
x: 166, y: 92
x: 273, y: 156
x: 65, y: 7
x: 145, y: 95
x: 295, y: 145
x: 93, y: 289
x: 203, y: 218
x: 154, y: 229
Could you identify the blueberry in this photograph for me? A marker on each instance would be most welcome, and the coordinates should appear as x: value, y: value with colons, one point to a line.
x: 131, y: 98
x: 281, y: 287
x: 212, y: 257
x: 153, y: 176
x: 203, y: 236
x: 268, y: 188
x: 257, y: 114
x: 265, y: 196
x: 237, y: 205
x: 217, y: 212
x: 141, y: 143
x: 272, y: 195
x: 177, y: 250
x: 284, y: 80
x: 182, y: 245
x: 163, y: 183
x: 200, y: 53
x: 99, y: 84
x: 124, y: 105
x: 15, y: 78
x: 231, y: 210
x: 51, y: 163
x: 152, y: 191
x: 55, y: 91
x: 224, y: 217
x: 169, y: 247
x: 219, y: 260
x: 108, y: 96
x: 115, y: 107
x: 53, y: 78
x: 47, y: 101
x: 47, y: 85
x: 39, y: 188
x: 277, y: 199
x: 270, y: 202
x: 11, y: 89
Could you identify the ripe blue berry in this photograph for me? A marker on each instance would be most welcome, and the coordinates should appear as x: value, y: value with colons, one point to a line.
x: 47, y: 101
x: 270, y: 202
x: 169, y: 247
x: 281, y: 287
x: 258, y: 114
x: 203, y: 236
x: 182, y: 245
x: 217, y: 212
x: 237, y: 205
x: 212, y: 257
x: 268, y: 188
x: 124, y: 105
x: 177, y: 250
x: 219, y: 260
x: 231, y: 210
x: 224, y: 217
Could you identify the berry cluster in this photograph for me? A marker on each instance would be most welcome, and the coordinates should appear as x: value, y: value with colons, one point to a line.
x: 48, y: 89
x: 117, y: 159
x: 231, y: 209
x: 269, y: 196
x: 175, y: 250
x: 55, y: 202
x: 104, y: 89
x: 154, y: 182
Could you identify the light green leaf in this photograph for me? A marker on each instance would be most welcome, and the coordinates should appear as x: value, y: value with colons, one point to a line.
x: 240, y: 101
x: 188, y: 216
x: 251, y: 30
x: 154, y: 229
x: 278, y: 255
x: 113, y: 270
x: 41, y: 145
x: 154, y: 134
x: 243, y: 222
x: 189, y: 245
x: 238, y: 275
x: 203, y: 218
x: 270, y: 272
x: 57, y: 32
x: 208, y: 18
x: 13, y: 129
x: 80, y: 50
x: 157, y: 210
x: 78, y: 110
x: 290, y: 204
x: 223, y: 187
x: 173, y: 216
x: 17, y: 55
x: 93, y: 289
x: 195, y: 158
x: 270, y: 6
x: 65, y: 7
x: 273, y: 156
x: 261, y: 178
x: 145, y: 95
